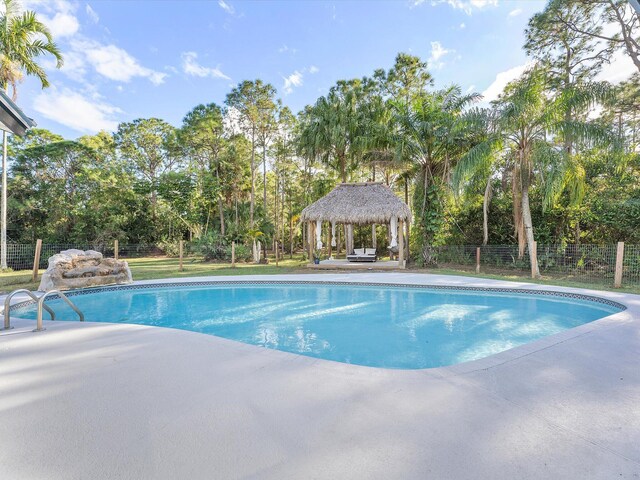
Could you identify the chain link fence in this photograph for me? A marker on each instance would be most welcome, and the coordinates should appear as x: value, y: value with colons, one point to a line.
x: 20, y: 256
x: 594, y: 264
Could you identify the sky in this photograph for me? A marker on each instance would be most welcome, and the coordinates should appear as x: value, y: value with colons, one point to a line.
x: 141, y: 59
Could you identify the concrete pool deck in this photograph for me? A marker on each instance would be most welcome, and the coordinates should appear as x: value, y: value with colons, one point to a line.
x: 104, y: 401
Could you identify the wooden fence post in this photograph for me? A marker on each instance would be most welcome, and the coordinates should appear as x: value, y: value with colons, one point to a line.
x: 233, y: 254
x: 36, y: 260
x: 617, y: 278
x: 478, y: 260
x: 181, y: 254
x: 533, y: 256
x: 116, y: 247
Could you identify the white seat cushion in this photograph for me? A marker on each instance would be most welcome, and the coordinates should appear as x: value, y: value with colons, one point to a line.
x: 358, y: 251
x: 370, y: 251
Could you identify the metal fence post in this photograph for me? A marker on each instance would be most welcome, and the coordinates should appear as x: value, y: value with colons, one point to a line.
x: 36, y: 260
x: 617, y: 278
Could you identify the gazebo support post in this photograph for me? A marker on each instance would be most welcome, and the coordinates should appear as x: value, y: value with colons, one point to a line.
x: 345, y: 229
x: 401, y: 258
x: 310, y: 240
x: 346, y: 239
x: 351, y: 245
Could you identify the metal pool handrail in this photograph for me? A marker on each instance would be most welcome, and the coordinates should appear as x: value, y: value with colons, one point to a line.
x: 7, y: 306
x: 41, y: 305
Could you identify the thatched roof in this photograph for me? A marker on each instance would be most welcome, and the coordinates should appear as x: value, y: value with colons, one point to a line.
x: 359, y: 204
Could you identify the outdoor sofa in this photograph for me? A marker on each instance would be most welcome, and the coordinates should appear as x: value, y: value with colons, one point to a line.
x: 363, y: 255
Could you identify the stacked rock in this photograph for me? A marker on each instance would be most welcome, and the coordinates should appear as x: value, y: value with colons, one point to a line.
x: 71, y: 269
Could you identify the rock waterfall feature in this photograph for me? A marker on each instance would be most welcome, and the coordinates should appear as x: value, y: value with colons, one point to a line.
x: 71, y: 269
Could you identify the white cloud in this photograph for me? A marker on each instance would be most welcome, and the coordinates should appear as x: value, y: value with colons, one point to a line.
x: 58, y: 15
x: 115, y: 63
x: 286, y: 48
x: 61, y: 24
x: 515, y: 12
x: 293, y: 80
x: 467, y: 6
x: 76, y: 111
x: 619, y: 69
x: 313, y: 69
x: 74, y: 66
x: 190, y: 66
x: 502, y: 79
x: 437, y: 52
x: 462, y: 26
x: 91, y: 13
x: 226, y: 7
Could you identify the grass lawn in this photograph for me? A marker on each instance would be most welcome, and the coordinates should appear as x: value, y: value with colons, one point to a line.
x: 545, y: 280
x: 161, y: 267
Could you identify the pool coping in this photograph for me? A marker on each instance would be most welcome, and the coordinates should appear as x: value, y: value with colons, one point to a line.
x: 134, y: 401
x: 623, y: 301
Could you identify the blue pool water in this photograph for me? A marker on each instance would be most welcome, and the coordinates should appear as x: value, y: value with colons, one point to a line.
x: 378, y: 326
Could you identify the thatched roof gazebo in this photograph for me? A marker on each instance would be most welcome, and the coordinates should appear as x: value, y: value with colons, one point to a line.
x: 358, y: 204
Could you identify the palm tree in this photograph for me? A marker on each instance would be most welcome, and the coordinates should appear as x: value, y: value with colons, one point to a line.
x: 23, y: 38
x: 431, y: 136
x: 329, y: 130
x: 526, y: 118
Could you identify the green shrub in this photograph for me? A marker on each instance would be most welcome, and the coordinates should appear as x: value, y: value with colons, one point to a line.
x: 212, y: 246
x: 171, y: 248
x: 243, y: 253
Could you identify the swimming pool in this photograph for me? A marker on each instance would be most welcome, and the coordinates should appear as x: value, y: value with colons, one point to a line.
x: 405, y: 327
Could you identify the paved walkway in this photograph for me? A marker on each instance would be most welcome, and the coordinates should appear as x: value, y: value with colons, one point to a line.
x: 111, y: 401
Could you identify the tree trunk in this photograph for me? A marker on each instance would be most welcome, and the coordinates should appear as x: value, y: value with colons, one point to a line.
x: 264, y: 178
x: 220, y: 206
x: 221, y: 213
x: 517, y: 211
x: 275, y: 216
x: 3, y: 234
x: 485, y: 212
x: 528, y: 227
x: 630, y: 43
x: 253, y: 177
x: 408, y: 233
x: 290, y: 235
x: 236, y: 211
